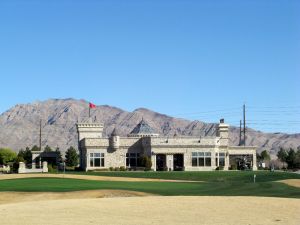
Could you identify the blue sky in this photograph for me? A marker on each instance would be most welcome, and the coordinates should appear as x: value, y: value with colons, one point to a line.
x: 199, y: 60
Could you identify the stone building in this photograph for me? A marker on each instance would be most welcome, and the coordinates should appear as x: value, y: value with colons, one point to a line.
x: 176, y: 153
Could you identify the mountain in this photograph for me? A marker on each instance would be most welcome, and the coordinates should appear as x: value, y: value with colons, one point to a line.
x: 19, y: 126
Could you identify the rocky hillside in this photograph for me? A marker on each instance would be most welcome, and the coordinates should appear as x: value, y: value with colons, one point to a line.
x: 19, y: 126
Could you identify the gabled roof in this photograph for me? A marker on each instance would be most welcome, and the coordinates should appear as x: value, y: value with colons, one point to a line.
x: 143, y: 129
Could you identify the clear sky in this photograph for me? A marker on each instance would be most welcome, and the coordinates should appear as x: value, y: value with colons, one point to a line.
x: 199, y: 60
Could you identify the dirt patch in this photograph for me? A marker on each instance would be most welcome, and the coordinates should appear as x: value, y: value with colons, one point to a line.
x: 154, y: 210
x: 291, y: 182
x: 17, y: 197
x: 85, y: 177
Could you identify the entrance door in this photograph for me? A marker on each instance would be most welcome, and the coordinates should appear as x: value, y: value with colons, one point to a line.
x: 178, y: 162
x: 161, y: 162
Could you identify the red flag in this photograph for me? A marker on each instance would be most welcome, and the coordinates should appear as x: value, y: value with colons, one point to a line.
x: 92, y: 106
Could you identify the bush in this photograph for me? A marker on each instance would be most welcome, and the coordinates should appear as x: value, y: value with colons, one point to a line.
x: 233, y: 167
x: 122, y: 168
x: 117, y: 169
x: 51, y: 169
x: 100, y: 170
x: 78, y: 168
x: 220, y: 168
x: 147, y: 163
x: 7, y: 155
x: 111, y: 168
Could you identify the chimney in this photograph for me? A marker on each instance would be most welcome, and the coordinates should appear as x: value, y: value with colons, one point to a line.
x: 223, y: 133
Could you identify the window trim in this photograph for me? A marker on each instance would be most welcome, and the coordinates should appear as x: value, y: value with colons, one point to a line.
x: 92, y: 158
x: 203, y: 156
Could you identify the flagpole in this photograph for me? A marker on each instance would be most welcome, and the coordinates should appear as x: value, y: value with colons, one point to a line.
x: 89, y: 112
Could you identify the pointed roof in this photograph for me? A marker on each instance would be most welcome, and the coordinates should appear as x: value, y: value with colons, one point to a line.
x: 143, y: 129
x: 114, y: 133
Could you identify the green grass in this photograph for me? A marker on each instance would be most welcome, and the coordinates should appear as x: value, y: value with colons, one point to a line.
x: 209, y: 176
x: 216, y: 184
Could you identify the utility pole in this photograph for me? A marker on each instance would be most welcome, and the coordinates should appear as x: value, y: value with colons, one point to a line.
x: 40, y: 135
x: 240, y: 142
x: 40, y: 163
x: 244, y: 114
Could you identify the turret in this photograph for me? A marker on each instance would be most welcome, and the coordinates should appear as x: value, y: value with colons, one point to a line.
x: 223, y: 133
x: 114, y: 140
x: 89, y: 130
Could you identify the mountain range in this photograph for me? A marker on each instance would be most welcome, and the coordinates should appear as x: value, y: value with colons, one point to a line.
x: 20, y: 125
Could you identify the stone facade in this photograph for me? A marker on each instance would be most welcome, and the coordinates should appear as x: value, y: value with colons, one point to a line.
x: 176, y: 153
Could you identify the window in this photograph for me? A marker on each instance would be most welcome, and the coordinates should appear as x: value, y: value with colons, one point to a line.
x: 201, y: 159
x: 221, y: 157
x: 96, y: 159
x: 133, y: 159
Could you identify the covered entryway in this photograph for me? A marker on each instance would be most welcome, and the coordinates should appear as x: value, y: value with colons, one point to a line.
x: 241, y: 162
x: 178, y: 162
x: 161, y: 162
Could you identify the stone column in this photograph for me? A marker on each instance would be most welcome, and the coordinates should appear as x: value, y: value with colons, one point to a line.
x: 226, y: 167
x: 213, y: 160
x: 169, y: 162
x: 153, y: 159
x: 254, y: 166
x: 87, y: 162
x: 22, y: 168
x: 45, y: 167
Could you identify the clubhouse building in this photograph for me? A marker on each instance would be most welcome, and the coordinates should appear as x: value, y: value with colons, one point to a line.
x: 176, y: 153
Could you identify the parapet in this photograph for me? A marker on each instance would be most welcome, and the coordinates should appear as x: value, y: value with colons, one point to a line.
x: 89, y: 130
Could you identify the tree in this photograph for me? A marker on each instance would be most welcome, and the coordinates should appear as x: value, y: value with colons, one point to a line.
x: 282, y: 155
x: 59, y: 156
x: 47, y: 149
x: 297, y: 160
x: 146, y: 162
x: 71, y: 157
x: 291, y: 159
x: 35, y: 149
x: 265, y: 156
x: 7, y: 155
x: 26, y: 155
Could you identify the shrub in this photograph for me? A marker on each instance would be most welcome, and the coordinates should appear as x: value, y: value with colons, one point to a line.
x: 117, y: 169
x: 146, y: 162
x: 100, y: 170
x: 7, y: 155
x: 78, y: 168
x: 51, y: 169
x: 122, y: 168
x: 111, y: 168
x: 233, y: 167
x: 220, y: 168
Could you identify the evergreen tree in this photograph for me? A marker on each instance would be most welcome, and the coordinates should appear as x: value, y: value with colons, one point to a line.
x: 291, y: 159
x: 59, y: 155
x: 282, y: 155
x: 26, y: 155
x: 35, y: 149
x: 47, y: 149
x: 71, y: 157
x: 265, y: 156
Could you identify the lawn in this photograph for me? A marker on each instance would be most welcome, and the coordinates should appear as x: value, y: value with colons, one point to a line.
x: 216, y: 184
x: 209, y: 176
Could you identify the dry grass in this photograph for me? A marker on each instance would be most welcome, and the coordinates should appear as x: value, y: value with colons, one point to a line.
x: 154, y: 210
x: 83, y: 177
x: 291, y: 182
x: 17, y: 197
